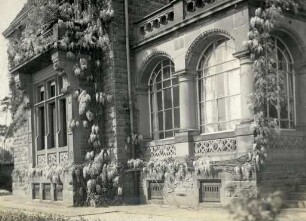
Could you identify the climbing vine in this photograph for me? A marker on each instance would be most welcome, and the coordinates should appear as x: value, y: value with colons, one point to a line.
x: 82, y: 31
x: 267, y: 77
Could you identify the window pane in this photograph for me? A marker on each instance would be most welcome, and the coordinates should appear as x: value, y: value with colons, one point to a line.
x: 203, y: 113
x: 158, y: 78
x: 284, y: 108
x: 211, y: 115
x: 153, y: 123
x: 201, y: 90
x: 210, y: 88
x: 63, y: 123
x: 221, y: 110
x: 234, y: 82
x: 159, y: 100
x: 166, y: 83
x: 233, y: 110
x: 168, y: 119
x: 51, y: 89
x: 41, y: 128
x: 166, y: 72
x: 176, y: 97
x: 40, y: 93
x: 161, y: 135
x: 174, y: 80
x: 169, y: 134
x: 161, y: 121
x: 210, y: 128
x: 167, y: 98
x: 158, y: 86
x: 52, y: 125
x: 176, y: 118
x: 220, y: 85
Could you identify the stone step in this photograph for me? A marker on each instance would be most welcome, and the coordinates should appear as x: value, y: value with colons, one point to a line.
x: 295, y: 204
x: 296, y: 196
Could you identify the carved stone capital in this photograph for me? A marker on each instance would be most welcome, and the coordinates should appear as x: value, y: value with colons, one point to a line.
x: 243, y: 56
x: 186, y: 75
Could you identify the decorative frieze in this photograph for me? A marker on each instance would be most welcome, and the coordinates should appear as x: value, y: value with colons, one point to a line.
x: 164, y: 151
x: 52, y: 158
x: 288, y: 142
x: 215, y: 146
x: 41, y: 160
x: 63, y: 157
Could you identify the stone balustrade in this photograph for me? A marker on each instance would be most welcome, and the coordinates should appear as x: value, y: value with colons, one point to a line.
x: 156, y: 21
x: 193, y: 6
x: 176, y: 13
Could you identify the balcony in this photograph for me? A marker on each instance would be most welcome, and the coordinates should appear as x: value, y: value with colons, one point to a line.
x: 175, y: 15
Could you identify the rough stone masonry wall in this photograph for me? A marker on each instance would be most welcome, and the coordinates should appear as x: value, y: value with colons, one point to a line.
x: 116, y: 79
x: 285, y: 169
x: 21, y: 160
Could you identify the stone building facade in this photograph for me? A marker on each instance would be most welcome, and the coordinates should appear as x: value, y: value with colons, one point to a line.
x: 191, y: 78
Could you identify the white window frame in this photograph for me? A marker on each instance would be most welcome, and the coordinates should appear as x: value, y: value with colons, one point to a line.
x: 201, y: 81
x: 47, y: 100
x: 289, y: 62
x: 152, y: 92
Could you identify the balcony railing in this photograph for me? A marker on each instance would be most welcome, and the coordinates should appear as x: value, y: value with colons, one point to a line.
x: 176, y: 13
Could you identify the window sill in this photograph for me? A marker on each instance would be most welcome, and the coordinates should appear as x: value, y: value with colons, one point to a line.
x: 166, y: 141
x: 215, y: 135
x: 52, y: 150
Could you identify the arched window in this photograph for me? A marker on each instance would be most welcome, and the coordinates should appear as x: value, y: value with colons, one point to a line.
x: 164, y: 100
x: 285, y: 80
x: 219, y: 87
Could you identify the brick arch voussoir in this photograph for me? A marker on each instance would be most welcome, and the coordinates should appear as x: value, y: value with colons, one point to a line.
x: 294, y: 36
x: 202, y: 37
x: 142, y: 71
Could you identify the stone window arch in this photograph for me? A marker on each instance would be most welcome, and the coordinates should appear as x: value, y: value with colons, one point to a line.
x: 284, y: 65
x: 163, y: 100
x: 219, y: 96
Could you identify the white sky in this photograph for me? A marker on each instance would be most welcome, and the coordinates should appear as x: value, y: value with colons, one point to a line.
x: 8, y: 11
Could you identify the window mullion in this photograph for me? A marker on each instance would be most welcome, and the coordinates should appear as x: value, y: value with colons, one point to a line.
x: 278, y: 84
x: 288, y: 94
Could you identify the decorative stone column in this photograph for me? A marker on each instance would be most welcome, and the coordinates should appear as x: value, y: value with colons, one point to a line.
x: 244, y: 131
x: 300, y: 91
x: 188, y: 113
x: 246, y: 85
x: 188, y: 104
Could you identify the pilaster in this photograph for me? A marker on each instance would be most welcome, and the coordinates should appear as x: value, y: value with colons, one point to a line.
x: 188, y: 113
x: 300, y: 91
x: 244, y: 130
x: 246, y: 85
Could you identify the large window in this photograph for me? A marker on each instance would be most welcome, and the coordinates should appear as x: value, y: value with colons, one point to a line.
x: 164, y: 100
x: 219, y: 87
x: 50, y: 111
x: 285, y: 80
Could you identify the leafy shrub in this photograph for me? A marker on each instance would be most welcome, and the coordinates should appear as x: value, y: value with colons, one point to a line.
x: 261, y: 209
x: 22, y: 216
